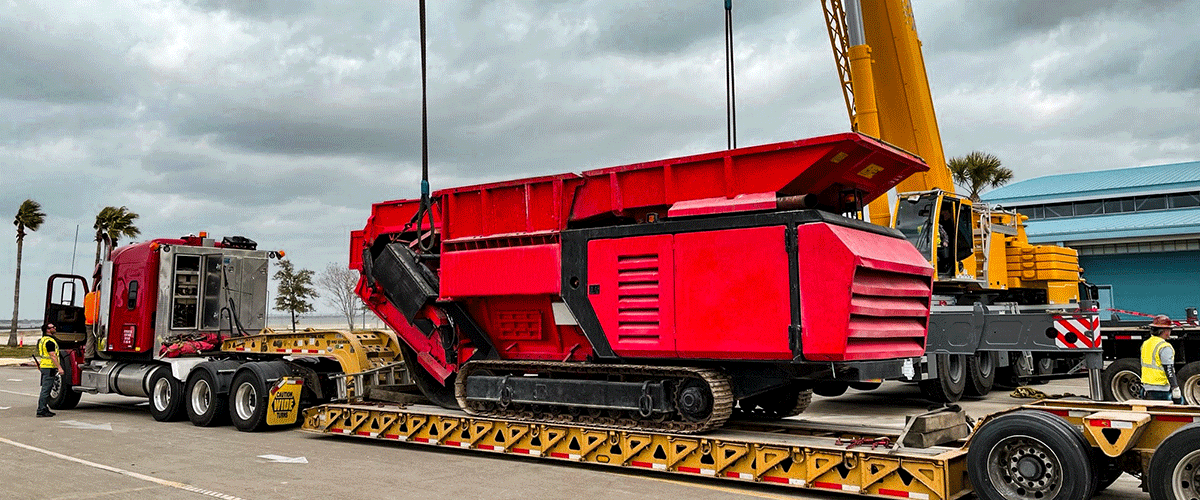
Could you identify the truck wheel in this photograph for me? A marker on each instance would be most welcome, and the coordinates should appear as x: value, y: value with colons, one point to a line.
x: 831, y: 389
x: 62, y: 395
x: 205, y: 408
x: 951, y: 379
x: 1122, y: 380
x: 1029, y: 455
x: 1189, y: 382
x: 1175, y: 466
x: 166, y: 396
x: 981, y: 373
x: 248, y: 402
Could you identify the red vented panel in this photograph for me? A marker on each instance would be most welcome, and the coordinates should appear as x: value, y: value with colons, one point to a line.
x: 631, y: 287
x: 864, y: 296
x: 733, y: 294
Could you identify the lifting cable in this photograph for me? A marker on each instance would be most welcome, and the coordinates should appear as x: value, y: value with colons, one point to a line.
x: 425, y: 210
x: 730, y: 107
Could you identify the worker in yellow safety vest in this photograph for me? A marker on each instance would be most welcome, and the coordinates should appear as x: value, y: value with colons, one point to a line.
x: 50, y: 367
x: 1158, y: 363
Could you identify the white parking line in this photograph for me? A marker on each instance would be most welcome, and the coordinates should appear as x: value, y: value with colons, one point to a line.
x: 135, y: 475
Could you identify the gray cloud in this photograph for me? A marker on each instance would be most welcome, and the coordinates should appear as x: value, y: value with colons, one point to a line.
x: 285, y: 120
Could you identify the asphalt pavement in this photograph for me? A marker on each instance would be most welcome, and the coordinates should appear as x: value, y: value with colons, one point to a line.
x: 111, y: 448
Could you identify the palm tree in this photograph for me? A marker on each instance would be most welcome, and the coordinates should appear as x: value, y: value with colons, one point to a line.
x: 978, y: 171
x: 113, y: 223
x: 29, y: 216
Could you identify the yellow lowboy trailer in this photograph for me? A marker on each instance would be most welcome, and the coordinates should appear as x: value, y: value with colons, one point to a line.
x: 792, y: 453
x: 1051, y: 449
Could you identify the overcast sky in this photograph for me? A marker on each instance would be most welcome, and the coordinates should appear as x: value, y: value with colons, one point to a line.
x: 284, y: 120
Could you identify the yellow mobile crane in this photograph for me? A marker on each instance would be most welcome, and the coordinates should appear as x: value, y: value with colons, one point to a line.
x: 981, y: 253
x: 887, y: 95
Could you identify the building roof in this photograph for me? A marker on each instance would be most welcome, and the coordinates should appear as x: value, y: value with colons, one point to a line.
x: 1156, y: 179
x: 1115, y: 226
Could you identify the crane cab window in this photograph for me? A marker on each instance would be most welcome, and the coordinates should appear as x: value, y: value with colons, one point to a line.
x: 914, y: 219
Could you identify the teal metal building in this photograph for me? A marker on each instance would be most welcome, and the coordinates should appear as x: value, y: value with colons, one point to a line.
x: 1137, y: 231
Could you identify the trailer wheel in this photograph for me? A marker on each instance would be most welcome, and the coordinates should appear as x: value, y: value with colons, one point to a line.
x: 1122, y: 380
x: 62, y: 396
x: 248, y: 401
x: 205, y: 408
x: 951, y: 379
x: 981, y: 373
x: 1174, y: 471
x: 166, y: 396
x: 1029, y: 455
x: 1189, y: 383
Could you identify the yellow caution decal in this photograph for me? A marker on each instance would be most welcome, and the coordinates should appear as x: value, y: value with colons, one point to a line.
x: 284, y: 401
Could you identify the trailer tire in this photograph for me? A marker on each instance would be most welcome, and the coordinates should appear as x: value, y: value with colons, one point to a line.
x: 62, y: 395
x: 1175, y: 465
x: 205, y: 406
x: 1122, y: 380
x: 951, y: 379
x: 1029, y: 455
x: 981, y: 373
x: 1189, y: 383
x: 166, y: 396
x: 248, y: 401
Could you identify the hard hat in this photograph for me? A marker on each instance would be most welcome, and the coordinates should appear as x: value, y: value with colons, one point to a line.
x: 1162, y: 321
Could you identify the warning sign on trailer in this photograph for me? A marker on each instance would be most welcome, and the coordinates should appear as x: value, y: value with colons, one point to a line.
x: 284, y: 403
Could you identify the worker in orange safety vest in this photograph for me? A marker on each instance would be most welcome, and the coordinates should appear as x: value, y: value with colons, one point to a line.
x: 1158, y: 363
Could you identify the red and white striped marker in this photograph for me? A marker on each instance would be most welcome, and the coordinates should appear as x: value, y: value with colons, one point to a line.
x: 904, y: 494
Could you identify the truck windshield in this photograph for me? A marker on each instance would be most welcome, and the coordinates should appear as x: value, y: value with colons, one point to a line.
x: 914, y: 218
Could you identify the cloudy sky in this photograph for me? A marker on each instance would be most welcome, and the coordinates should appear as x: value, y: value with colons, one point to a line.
x: 284, y: 120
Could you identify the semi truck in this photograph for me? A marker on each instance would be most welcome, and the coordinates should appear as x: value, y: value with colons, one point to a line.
x: 181, y: 322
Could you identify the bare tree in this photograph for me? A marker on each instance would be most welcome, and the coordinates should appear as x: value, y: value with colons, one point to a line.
x: 339, y: 281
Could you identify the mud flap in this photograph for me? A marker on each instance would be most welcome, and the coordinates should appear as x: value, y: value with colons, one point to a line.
x: 284, y: 401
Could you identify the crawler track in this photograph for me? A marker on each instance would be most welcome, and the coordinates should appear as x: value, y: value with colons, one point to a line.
x: 716, y: 381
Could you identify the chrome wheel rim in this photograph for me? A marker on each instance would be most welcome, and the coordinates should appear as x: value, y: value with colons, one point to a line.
x: 1191, y: 390
x: 1185, y: 479
x: 201, y: 397
x: 56, y: 387
x: 162, y: 394
x: 1024, y: 467
x: 1127, y: 385
x: 245, y: 401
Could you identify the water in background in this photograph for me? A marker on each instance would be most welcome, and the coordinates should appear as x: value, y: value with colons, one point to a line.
x: 281, y: 321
